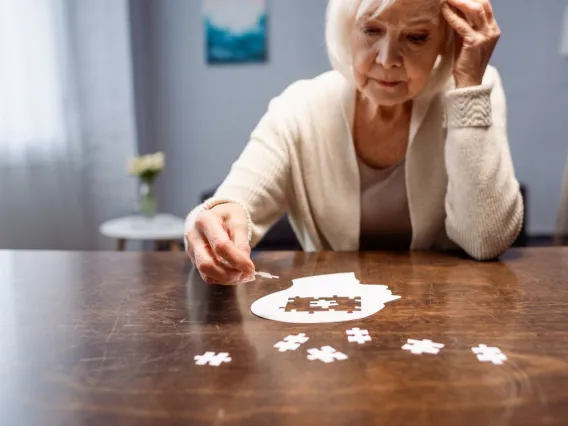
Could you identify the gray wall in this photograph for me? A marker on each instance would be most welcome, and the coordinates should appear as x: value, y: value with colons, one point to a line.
x: 535, y: 77
x: 201, y: 116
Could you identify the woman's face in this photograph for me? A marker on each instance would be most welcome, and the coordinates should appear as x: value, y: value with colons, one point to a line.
x: 394, y: 53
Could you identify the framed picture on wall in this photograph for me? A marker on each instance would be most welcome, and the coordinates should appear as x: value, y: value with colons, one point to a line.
x: 235, y: 31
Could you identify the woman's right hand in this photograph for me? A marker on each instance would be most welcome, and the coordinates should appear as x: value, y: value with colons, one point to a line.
x: 218, y: 245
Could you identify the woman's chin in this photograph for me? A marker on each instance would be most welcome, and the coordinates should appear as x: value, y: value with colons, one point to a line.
x: 385, y: 99
x: 386, y: 95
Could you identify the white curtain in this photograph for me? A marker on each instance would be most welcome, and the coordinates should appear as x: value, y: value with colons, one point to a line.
x: 66, y: 121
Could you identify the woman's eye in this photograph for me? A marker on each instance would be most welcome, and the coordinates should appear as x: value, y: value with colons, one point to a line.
x: 372, y: 31
x: 418, y: 38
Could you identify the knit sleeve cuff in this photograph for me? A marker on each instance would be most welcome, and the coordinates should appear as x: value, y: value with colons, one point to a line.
x: 468, y: 107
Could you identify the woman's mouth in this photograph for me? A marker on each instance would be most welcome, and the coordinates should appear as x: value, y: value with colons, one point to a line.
x: 386, y: 83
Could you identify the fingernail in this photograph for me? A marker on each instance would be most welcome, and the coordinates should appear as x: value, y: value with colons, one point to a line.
x: 242, y: 278
x: 248, y: 278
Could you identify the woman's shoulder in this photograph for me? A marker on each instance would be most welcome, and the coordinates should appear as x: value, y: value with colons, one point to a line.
x: 308, y: 109
x: 323, y: 81
x: 323, y: 91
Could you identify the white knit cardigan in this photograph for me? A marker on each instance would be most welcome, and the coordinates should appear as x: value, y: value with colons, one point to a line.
x: 461, y: 186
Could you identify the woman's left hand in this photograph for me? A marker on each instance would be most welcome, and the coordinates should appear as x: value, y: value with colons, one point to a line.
x: 475, y: 24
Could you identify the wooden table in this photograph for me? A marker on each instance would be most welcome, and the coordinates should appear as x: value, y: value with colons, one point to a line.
x: 109, y: 339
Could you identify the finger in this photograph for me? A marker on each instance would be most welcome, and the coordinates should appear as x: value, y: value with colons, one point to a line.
x: 492, y: 25
x: 186, y: 244
x: 211, y: 280
x: 473, y: 12
x: 459, y: 24
x: 212, y: 271
x: 238, y: 232
x: 211, y: 226
x: 191, y: 237
x: 208, y: 280
x: 204, y: 260
x: 488, y: 9
x: 237, y: 227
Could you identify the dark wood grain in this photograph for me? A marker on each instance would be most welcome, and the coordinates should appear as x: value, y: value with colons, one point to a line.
x: 109, y: 339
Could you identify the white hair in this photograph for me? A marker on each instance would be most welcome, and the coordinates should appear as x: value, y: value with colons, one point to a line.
x: 341, y: 16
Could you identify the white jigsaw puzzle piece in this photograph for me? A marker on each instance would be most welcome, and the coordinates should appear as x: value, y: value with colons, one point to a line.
x: 358, y: 335
x: 326, y: 354
x: 286, y: 346
x: 372, y: 298
x: 210, y: 358
x: 292, y: 342
x: 266, y: 275
x: 324, y: 304
x: 491, y: 354
x: 419, y: 347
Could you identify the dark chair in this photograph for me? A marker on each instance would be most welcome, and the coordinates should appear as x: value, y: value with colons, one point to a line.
x: 523, y: 239
x: 282, y: 237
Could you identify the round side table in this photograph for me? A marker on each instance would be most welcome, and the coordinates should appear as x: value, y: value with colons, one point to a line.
x: 163, y: 229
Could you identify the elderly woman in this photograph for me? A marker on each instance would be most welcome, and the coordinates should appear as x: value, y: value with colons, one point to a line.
x: 402, y: 145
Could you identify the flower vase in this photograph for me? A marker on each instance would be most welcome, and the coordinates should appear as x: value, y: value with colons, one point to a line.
x: 148, y: 203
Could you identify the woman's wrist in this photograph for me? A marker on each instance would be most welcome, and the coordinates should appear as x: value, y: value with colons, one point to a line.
x: 469, y: 82
x: 469, y: 107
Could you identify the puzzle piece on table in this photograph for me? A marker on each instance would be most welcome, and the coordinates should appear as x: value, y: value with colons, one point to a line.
x: 296, y: 304
x: 347, y: 304
x: 419, y: 347
x: 291, y: 343
x: 323, y: 304
x: 326, y: 354
x: 212, y: 359
x: 492, y: 354
x: 334, y: 298
x: 266, y: 275
x: 358, y: 335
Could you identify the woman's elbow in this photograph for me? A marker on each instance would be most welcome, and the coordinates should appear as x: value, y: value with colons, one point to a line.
x: 491, y: 238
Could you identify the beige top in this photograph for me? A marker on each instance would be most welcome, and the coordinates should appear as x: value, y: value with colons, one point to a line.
x: 460, y: 180
x: 385, y: 218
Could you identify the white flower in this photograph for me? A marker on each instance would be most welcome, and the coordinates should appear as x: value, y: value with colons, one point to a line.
x: 146, y: 164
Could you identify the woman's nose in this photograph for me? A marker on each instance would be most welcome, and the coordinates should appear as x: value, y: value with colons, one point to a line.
x: 389, y: 54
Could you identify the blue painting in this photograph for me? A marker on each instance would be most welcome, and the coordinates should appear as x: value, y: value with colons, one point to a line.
x: 235, y: 31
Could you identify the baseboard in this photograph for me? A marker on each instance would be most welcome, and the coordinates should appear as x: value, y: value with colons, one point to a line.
x: 544, y: 240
